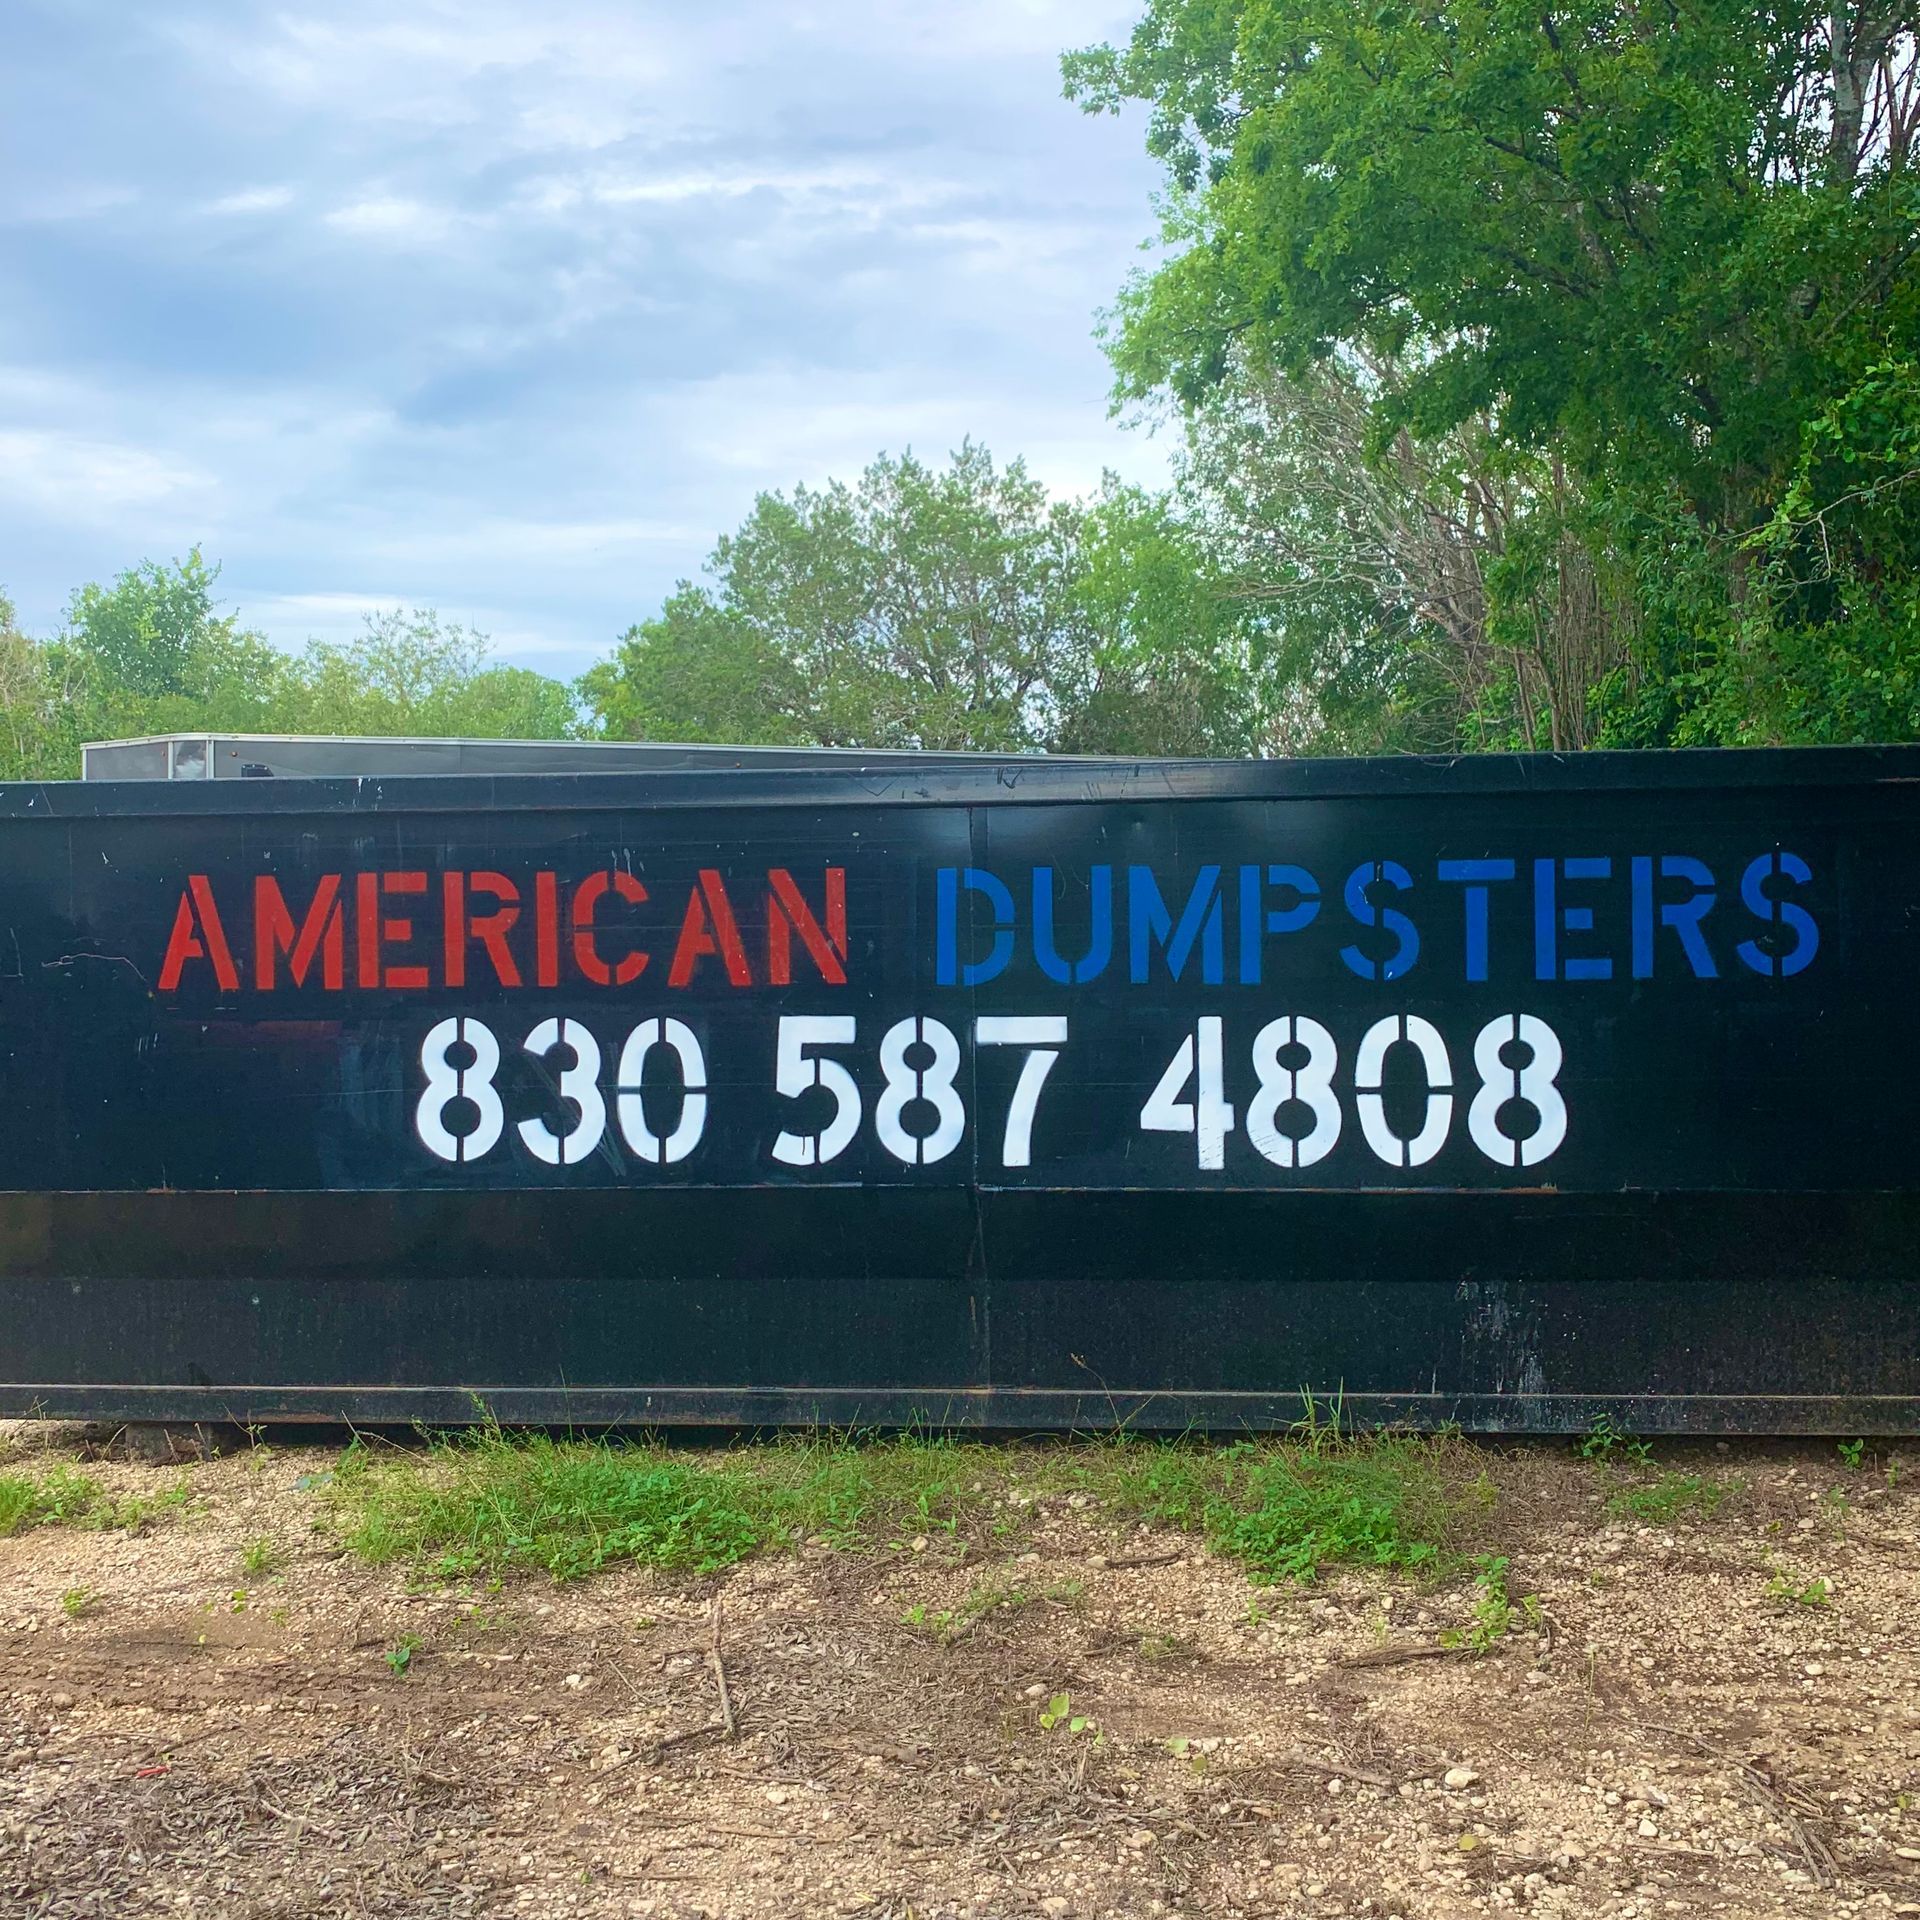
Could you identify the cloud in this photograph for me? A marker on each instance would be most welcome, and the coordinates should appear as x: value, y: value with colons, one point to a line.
x: 51, y: 474
x: 251, y: 200
x: 391, y: 218
x: 512, y: 310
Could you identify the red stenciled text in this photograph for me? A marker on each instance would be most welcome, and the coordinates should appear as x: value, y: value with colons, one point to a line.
x: 409, y: 930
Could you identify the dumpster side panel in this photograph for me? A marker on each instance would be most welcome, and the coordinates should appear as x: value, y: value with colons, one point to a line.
x: 1508, y: 1093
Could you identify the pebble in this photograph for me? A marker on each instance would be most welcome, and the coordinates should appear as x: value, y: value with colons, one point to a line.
x: 1457, y: 1779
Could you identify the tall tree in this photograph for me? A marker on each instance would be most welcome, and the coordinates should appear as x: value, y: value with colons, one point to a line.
x: 153, y: 653
x: 1656, y: 243
x: 1425, y: 594
x: 410, y: 672
x: 944, y: 608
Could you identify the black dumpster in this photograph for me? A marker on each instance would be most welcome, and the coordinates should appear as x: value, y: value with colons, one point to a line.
x: 1505, y: 1091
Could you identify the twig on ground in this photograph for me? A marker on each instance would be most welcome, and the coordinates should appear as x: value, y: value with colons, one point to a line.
x: 720, y: 1674
x: 1336, y: 1769
x: 1393, y: 1656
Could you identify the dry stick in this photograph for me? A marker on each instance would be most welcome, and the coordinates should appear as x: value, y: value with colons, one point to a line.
x: 1145, y: 1560
x: 1393, y: 1656
x: 294, y: 1819
x: 720, y: 1674
x: 1298, y: 1759
x: 1813, y: 1850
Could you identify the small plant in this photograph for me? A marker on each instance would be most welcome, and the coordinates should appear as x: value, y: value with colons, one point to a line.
x: 260, y: 1557
x: 77, y: 1601
x: 1668, y: 1497
x: 1800, y: 1593
x: 1494, y: 1614
x: 237, y: 1601
x: 399, y: 1656
x: 65, y: 1497
x: 1058, y: 1712
x: 1603, y: 1440
x: 1852, y: 1454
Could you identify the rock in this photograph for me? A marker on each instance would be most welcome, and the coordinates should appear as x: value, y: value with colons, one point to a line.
x: 1458, y: 1779
x: 1056, y: 1904
x: 1648, y: 1831
x: 61, y: 1702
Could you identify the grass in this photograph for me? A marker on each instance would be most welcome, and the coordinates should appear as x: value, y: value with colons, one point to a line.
x: 63, y: 1496
x: 260, y: 1557
x: 488, y: 1502
x: 1661, y: 1502
x: 1287, y: 1508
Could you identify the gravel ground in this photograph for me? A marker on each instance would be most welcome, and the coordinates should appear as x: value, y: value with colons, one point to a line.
x: 1673, y: 1734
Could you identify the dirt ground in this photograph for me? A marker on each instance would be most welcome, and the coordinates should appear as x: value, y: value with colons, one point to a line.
x: 1678, y: 1735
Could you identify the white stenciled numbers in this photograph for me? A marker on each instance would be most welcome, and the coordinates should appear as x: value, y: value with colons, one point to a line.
x: 1043, y: 1035
x: 1207, y: 1116
x: 1191, y: 1095
x: 447, y: 1083
x: 1311, y: 1085
x: 920, y: 1116
x: 931, y: 1083
x: 918, y: 1089
x: 1369, y: 1071
x: 578, y: 1084
x: 1533, y: 1083
x: 798, y: 1071
x: 677, y: 1038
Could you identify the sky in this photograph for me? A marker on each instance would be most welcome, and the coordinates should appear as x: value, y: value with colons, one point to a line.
x: 510, y: 307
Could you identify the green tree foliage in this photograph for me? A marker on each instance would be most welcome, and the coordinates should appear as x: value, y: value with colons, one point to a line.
x: 153, y: 652
x: 1648, y: 248
x: 39, y: 724
x: 946, y: 608
x: 413, y: 673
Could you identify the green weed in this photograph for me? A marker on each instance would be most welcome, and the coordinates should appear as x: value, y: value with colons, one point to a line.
x: 1852, y: 1454
x: 77, y: 1601
x: 1800, y: 1593
x: 947, y: 1624
x: 1667, y: 1498
x: 399, y: 1656
x: 490, y: 1502
x: 63, y: 1496
x: 260, y: 1557
x: 1495, y: 1615
x: 1058, y: 1712
x: 1603, y: 1441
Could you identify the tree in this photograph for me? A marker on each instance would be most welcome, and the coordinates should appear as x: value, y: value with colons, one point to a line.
x: 1179, y: 664
x: 39, y: 728
x: 1651, y: 245
x: 1425, y: 594
x: 151, y: 653
x: 952, y: 608
x: 410, y: 672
